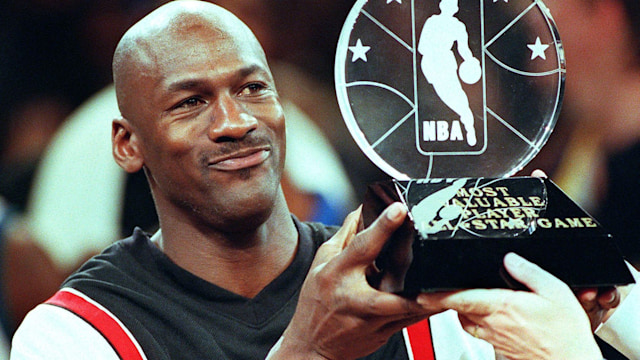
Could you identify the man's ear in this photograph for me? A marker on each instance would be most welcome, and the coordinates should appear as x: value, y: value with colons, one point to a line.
x: 125, y: 146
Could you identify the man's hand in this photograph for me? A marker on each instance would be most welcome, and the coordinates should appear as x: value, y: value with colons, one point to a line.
x: 546, y: 323
x: 339, y: 315
x: 599, y: 303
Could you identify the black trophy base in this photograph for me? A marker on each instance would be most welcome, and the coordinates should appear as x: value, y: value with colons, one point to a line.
x: 459, y: 230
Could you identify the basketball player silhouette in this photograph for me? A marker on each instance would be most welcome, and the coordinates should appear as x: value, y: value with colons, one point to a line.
x: 439, y: 63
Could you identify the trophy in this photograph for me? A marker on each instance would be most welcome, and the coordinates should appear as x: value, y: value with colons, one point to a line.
x: 451, y: 98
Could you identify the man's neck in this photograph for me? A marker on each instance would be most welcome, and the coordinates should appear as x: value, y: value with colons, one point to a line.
x: 241, y: 263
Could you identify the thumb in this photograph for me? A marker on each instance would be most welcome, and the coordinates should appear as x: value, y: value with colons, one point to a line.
x: 340, y: 239
x: 535, y: 278
x: 366, y: 246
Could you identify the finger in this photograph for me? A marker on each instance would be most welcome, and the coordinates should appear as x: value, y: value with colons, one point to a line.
x: 365, y: 247
x: 433, y: 302
x: 587, y: 294
x: 468, y: 325
x: 539, y: 174
x: 340, y: 239
x: 351, y: 226
x: 395, y: 326
x: 535, y: 278
x: 587, y: 298
x: 608, y: 298
x: 387, y: 310
x: 474, y: 302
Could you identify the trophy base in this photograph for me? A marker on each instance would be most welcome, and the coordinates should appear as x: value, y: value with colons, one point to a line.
x: 458, y: 231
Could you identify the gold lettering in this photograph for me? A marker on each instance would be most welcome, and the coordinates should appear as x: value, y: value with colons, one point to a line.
x: 476, y: 192
x: 574, y: 222
x: 503, y: 212
x: 482, y: 201
x: 479, y: 224
x: 530, y: 213
x: 493, y: 223
x: 560, y: 224
x: 517, y: 213
x: 493, y: 213
x: 463, y: 192
x: 511, y: 201
x: 499, y: 203
x: 537, y: 201
x: 489, y: 191
x: 503, y: 190
x: 463, y: 203
x: 545, y: 223
x: 588, y: 222
x: 524, y: 202
x: 478, y: 214
x: 447, y: 226
x: 512, y: 224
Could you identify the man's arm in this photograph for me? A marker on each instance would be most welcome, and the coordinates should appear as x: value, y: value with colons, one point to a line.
x: 339, y: 315
x: 463, y: 42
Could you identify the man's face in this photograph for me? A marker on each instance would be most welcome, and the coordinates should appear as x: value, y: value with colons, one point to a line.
x: 211, y: 126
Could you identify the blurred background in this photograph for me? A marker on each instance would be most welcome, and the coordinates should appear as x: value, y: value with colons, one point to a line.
x: 63, y: 198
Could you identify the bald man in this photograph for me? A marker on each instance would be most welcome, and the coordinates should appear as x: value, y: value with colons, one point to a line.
x: 222, y: 279
x: 231, y: 274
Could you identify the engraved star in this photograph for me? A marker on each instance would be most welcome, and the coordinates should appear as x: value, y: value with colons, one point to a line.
x: 390, y: 1
x: 538, y: 49
x: 359, y: 51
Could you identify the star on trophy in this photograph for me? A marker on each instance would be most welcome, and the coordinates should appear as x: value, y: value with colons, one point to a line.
x: 451, y: 98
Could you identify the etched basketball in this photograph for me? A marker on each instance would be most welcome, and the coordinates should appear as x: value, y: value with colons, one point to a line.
x: 470, y: 71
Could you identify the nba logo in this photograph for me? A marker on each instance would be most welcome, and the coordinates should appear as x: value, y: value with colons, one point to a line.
x: 450, y: 58
x: 420, y: 82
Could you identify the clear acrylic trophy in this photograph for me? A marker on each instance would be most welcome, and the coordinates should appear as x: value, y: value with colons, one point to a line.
x: 450, y: 98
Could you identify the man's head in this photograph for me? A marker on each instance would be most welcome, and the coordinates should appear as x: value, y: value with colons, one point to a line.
x: 449, y: 7
x: 200, y: 114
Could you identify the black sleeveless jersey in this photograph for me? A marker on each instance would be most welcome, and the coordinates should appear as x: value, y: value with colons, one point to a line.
x: 174, y: 314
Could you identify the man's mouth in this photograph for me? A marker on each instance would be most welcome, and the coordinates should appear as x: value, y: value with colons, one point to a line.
x: 241, y: 159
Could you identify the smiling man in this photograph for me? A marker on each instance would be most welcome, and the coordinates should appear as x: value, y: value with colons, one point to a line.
x: 231, y: 274
x: 224, y: 276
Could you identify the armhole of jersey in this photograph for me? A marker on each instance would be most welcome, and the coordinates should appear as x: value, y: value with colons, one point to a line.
x: 321, y: 233
x: 107, y: 324
x: 417, y: 339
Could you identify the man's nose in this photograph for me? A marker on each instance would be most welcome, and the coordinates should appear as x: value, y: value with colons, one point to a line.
x: 231, y: 120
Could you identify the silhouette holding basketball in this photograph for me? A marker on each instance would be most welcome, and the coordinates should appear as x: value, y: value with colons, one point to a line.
x: 439, y: 64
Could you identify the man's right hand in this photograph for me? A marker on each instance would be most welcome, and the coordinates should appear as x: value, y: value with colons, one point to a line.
x: 339, y: 315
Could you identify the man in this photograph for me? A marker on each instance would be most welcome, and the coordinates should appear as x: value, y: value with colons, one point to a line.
x: 201, y: 116
x: 230, y: 275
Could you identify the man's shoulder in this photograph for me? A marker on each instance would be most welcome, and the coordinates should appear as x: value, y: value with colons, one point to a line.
x: 120, y: 259
x: 39, y: 336
x: 318, y: 232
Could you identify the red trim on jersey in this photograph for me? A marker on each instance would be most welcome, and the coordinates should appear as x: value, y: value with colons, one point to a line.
x: 420, y: 339
x: 106, y: 323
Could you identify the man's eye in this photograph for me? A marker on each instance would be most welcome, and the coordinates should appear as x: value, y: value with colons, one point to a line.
x: 252, y: 89
x: 190, y: 102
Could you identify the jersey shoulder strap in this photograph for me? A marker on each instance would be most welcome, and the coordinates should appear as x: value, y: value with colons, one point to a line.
x: 418, y: 341
x: 106, y: 323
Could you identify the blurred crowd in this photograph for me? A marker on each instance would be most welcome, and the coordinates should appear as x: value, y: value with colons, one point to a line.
x: 55, y: 55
